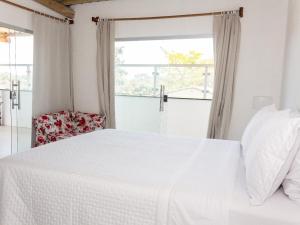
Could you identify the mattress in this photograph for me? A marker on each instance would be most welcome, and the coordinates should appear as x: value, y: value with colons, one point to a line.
x: 278, y: 210
x: 115, y: 177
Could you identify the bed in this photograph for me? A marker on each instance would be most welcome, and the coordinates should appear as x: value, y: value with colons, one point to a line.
x: 115, y: 177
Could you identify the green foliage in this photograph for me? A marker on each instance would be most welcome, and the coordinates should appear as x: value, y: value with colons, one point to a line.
x: 191, y: 57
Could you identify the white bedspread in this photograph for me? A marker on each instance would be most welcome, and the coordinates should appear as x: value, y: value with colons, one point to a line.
x: 120, y: 178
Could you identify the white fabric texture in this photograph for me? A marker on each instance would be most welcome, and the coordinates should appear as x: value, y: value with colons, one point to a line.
x: 270, y: 155
x: 105, y: 70
x: 52, y: 81
x: 255, y: 125
x: 291, y: 183
x: 227, y: 32
x: 278, y: 210
x: 120, y: 178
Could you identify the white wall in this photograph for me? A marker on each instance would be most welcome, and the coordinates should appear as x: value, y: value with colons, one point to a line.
x: 18, y: 17
x: 291, y: 80
x: 261, y: 58
x: 261, y: 55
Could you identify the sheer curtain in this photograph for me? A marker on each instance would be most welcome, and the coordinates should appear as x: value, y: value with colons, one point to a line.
x: 52, y: 81
x: 105, y: 70
x: 227, y: 32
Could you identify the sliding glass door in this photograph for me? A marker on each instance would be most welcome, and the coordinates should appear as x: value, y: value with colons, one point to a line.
x: 16, y: 56
x: 164, y: 86
x: 137, y: 99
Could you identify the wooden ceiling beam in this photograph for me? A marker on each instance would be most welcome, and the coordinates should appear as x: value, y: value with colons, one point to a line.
x: 74, y: 2
x: 58, y: 7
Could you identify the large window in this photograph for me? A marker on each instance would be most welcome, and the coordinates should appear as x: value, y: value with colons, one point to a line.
x: 16, y: 56
x: 183, y: 66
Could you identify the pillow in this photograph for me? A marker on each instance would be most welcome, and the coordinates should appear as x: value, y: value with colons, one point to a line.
x: 291, y: 184
x: 270, y: 155
x: 254, y: 125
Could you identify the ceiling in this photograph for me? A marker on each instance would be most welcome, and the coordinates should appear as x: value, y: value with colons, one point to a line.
x: 63, y: 6
x: 74, y: 2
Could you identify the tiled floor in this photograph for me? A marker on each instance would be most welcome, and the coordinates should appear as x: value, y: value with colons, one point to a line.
x: 17, y: 143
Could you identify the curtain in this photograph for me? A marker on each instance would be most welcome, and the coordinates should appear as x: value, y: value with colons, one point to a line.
x: 227, y: 32
x: 52, y: 80
x: 105, y: 70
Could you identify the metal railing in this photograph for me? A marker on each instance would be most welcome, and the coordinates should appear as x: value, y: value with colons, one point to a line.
x: 208, y: 70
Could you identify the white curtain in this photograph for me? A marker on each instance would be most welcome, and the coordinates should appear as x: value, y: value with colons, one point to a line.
x: 52, y: 80
x: 227, y: 32
x: 105, y: 70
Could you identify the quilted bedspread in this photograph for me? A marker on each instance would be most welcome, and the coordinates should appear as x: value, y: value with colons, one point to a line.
x: 112, y: 177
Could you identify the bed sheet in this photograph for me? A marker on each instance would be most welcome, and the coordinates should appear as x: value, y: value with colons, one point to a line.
x: 278, y: 210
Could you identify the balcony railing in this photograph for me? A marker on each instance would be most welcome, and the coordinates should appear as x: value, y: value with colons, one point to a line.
x: 10, y: 72
x: 188, y: 81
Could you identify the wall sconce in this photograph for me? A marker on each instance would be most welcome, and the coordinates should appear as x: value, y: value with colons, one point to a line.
x: 261, y: 101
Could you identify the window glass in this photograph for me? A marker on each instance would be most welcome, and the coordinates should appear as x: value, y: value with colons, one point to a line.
x: 16, y: 57
x: 183, y: 66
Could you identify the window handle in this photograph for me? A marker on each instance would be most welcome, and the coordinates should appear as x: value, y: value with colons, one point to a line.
x: 15, y: 95
x: 19, y: 95
x: 162, y: 98
x: 166, y: 97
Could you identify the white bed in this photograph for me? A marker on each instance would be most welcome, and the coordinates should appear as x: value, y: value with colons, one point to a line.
x: 117, y: 178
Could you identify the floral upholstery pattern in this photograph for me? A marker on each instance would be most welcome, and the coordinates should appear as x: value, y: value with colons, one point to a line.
x: 87, y: 122
x: 52, y: 127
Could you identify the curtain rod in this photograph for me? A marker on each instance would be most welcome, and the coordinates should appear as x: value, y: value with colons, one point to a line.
x: 37, y: 12
x: 240, y: 10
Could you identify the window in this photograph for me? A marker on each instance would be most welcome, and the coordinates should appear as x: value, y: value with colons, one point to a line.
x: 183, y: 66
x: 16, y: 56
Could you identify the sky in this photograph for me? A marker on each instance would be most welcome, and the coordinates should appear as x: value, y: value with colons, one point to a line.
x: 135, y: 52
x: 150, y: 52
x: 24, y: 53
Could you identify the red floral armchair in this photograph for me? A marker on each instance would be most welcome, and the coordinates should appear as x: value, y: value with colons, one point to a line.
x: 52, y: 127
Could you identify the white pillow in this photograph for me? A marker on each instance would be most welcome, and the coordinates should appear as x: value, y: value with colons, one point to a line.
x: 291, y: 184
x: 270, y: 155
x: 254, y: 125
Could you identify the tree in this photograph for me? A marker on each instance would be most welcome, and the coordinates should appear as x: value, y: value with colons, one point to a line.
x: 120, y: 72
x: 178, y: 78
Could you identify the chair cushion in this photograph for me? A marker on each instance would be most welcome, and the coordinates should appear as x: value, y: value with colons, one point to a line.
x: 40, y: 139
x: 59, y: 136
x: 52, y: 127
x: 87, y: 122
x: 54, y: 122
